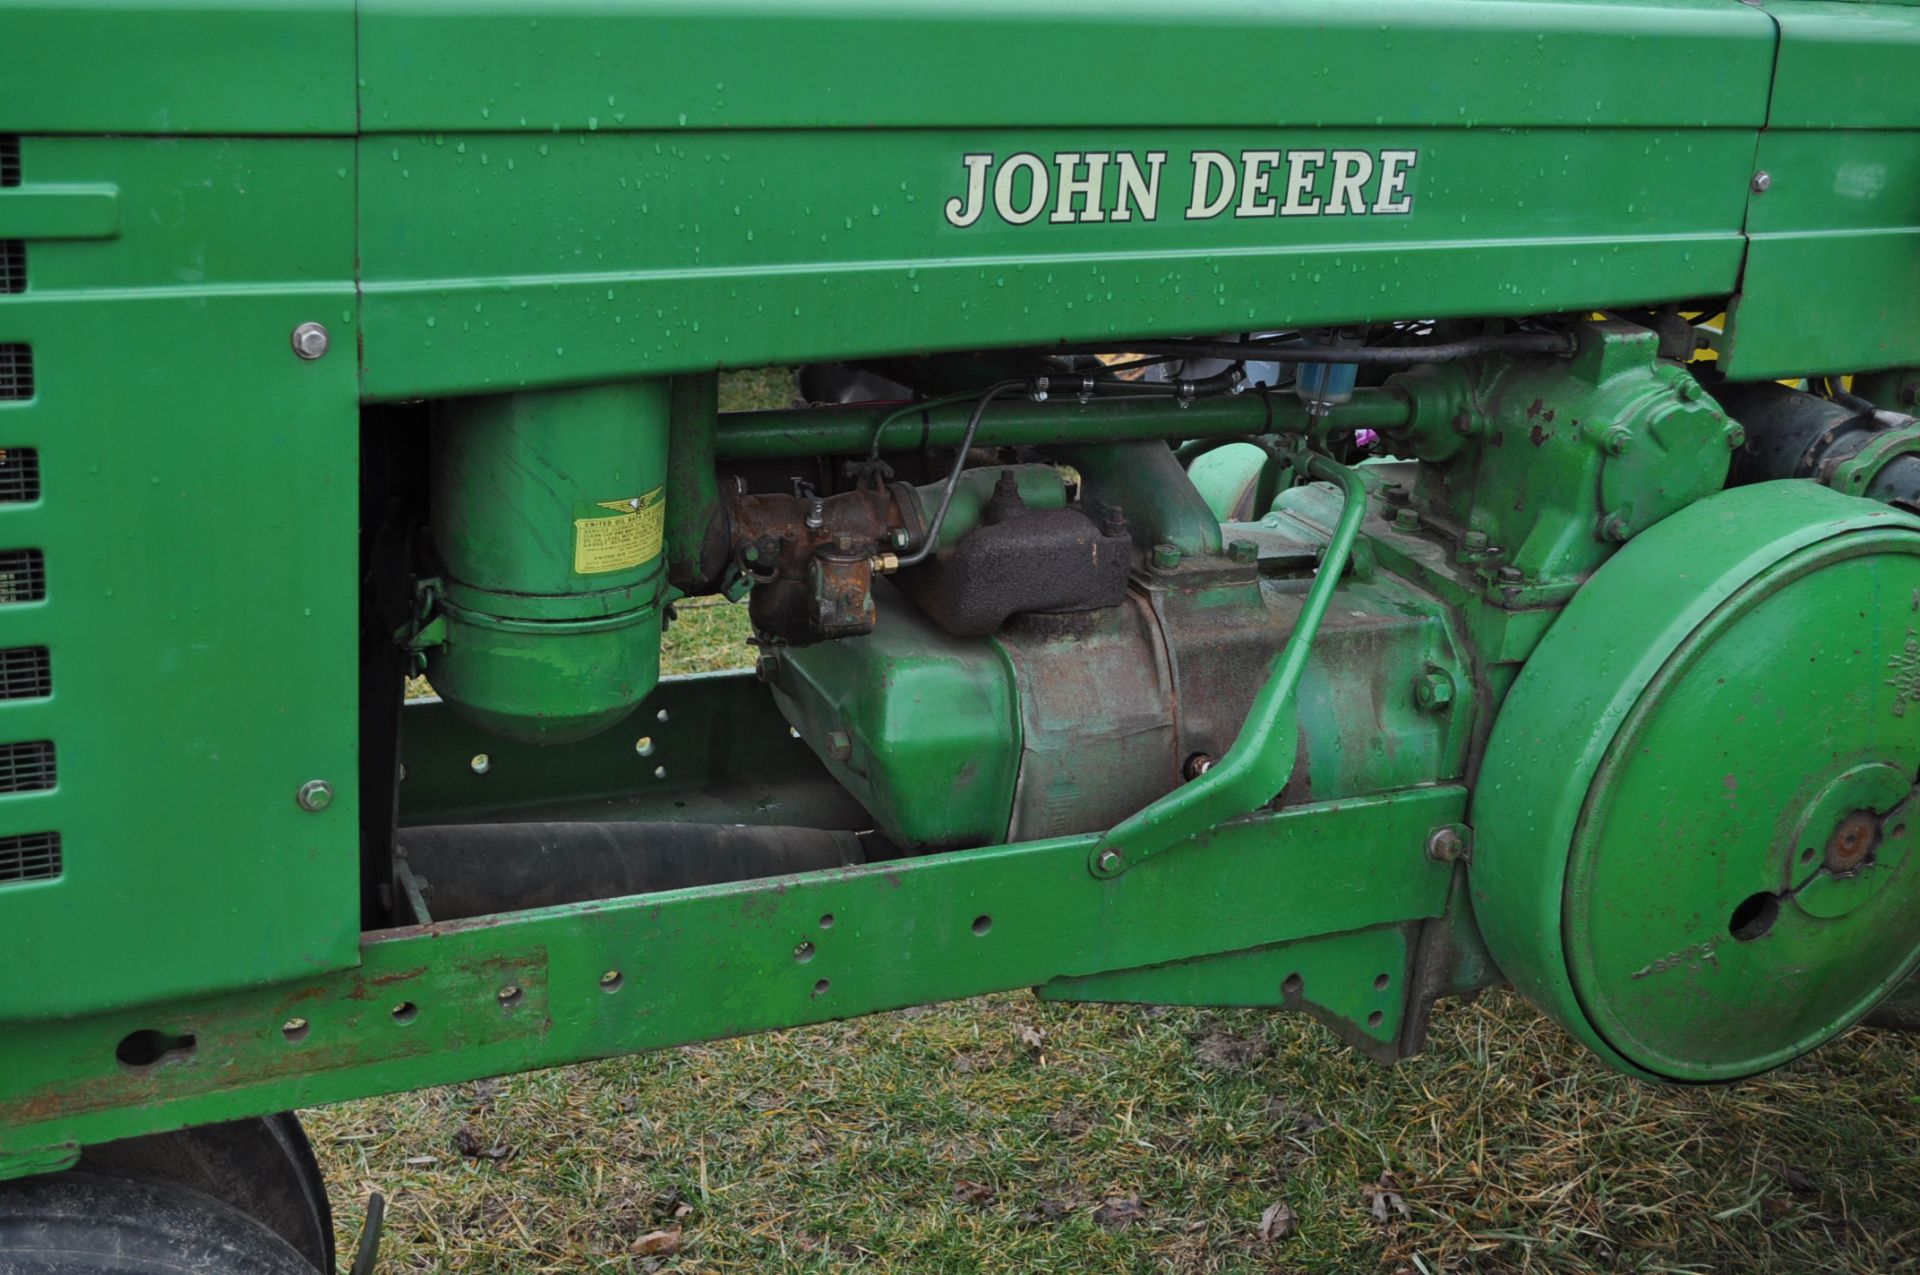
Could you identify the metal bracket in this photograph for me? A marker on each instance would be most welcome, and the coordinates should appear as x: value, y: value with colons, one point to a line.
x: 1260, y: 762
x: 1857, y: 472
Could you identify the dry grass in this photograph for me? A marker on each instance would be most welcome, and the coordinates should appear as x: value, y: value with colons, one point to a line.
x: 943, y: 1140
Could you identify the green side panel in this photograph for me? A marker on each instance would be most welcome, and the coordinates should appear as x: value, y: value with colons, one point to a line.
x: 494, y: 262
x: 177, y: 66
x: 197, y: 513
x: 725, y: 960
x: 567, y: 65
x: 1832, y: 282
x: 1845, y: 65
x: 1830, y: 277
x: 1357, y: 982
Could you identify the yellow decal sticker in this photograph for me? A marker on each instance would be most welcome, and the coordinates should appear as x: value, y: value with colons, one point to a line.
x: 617, y: 535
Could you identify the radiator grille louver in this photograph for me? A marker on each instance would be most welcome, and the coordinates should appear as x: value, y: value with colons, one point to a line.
x: 9, y: 160
x: 19, y: 475
x: 27, y: 767
x: 23, y: 576
x: 16, y: 371
x: 13, y: 265
x: 33, y: 857
x: 26, y: 672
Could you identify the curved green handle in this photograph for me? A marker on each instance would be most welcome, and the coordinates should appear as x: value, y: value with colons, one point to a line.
x: 1260, y: 762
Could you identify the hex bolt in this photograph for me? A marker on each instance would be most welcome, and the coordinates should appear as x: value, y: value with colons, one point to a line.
x: 315, y: 795
x: 1433, y: 690
x: 1736, y: 435
x: 1615, y: 528
x: 1462, y: 422
x: 310, y: 340
x: 1762, y: 182
x: 1474, y: 542
x: 1396, y: 494
x: 1617, y: 439
x: 765, y: 666
x: 1511, y: 575
x: 1690, y: 391
x: 839, y: 745
x: 1110, y: 860
x: 1197, y: 765
x: 1406, y: 519
x: 1166, y: 557
x: 1242, y: 551
x: 1446, y: 845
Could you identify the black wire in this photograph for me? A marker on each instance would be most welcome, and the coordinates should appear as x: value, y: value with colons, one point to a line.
x: 959, y: 463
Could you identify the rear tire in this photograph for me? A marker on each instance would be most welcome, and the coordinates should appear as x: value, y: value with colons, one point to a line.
x: 82, y: 1223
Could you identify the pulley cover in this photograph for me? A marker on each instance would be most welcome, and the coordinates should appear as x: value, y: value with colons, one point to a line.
x: 1694, y: 826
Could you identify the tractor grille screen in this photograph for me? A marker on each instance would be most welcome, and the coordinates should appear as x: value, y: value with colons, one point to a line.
x: 34, y: 857
x: 16, y: 371
x: 19, y: 475
x: 13, y: 265
x: 9, y: 160
x: 26, y: 767
x: 23, y: 575
x: 26, y: 672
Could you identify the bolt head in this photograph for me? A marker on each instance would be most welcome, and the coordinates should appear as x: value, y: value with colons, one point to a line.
x: 1242, y: 551
x: 1617, y: 439
x: 1474, y: 541
x: 1166, y: 557
x: 839, y: 745
x: 315, y: 795
x: 1615, y: 528
x: 1736, y: 434
x: 1761, y: 182
x: 1406, y: 520
x: 1110, y: 860
x: 1445, y: 845
x: 1433, y: 690
x: 310, y: 340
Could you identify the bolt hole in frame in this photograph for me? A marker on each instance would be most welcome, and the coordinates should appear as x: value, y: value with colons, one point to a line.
x: 142, y: 1051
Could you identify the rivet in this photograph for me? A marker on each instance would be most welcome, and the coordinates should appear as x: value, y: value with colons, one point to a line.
x: 310, y: 340
x: 315, y: 795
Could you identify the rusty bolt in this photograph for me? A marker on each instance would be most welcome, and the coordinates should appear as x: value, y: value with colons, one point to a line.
x: 1736, y: 434
x: 1446, y: 845
x: 1617, y: 439
x: 1852, y: 841
x: 1110, y: 860
x: 1462, y: 422
x: 1474, y: 542
x: 1166, y: 557
x: 839, y: 745
x: 1433, y: 690
x: 1242, y: 551
x: 1197, y: 765
x: 1615, y: 527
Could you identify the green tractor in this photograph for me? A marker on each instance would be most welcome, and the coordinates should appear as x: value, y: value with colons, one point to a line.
x: 1319, y: 507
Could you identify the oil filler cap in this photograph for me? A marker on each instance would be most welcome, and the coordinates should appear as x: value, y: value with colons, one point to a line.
x: 1694, y: 825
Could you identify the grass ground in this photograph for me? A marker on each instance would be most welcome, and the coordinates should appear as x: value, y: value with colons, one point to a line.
x: 1006, y: 1134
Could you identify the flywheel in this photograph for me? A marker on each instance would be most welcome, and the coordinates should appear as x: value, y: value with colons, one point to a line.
x: 1694, y: 824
